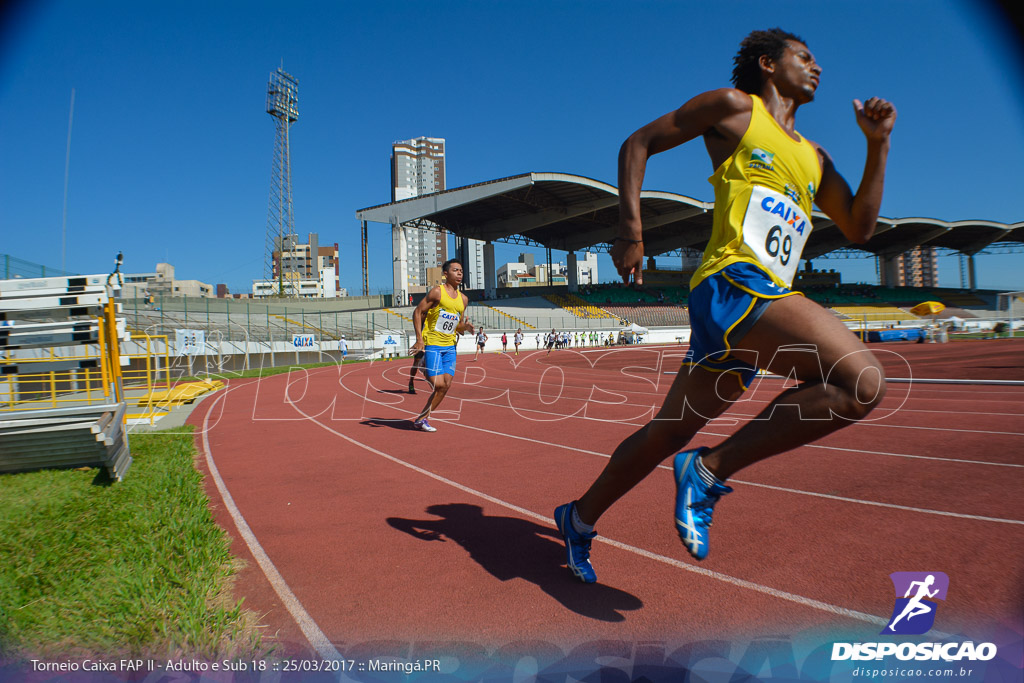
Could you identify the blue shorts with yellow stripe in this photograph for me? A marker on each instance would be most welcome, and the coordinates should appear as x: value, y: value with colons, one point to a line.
x: 723, y: 308
x: 439, y: 360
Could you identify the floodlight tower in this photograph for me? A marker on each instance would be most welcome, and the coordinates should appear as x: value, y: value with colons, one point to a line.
x: 283, y: 105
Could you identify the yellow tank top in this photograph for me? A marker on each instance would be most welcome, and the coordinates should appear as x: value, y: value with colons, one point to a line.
x: 443, y: 319
x: 763, y: 197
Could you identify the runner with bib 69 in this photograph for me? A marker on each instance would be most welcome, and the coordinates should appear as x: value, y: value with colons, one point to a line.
x: 743, y: 314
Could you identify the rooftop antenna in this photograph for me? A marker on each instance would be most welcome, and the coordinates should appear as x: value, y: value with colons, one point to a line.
x: 67, y: 167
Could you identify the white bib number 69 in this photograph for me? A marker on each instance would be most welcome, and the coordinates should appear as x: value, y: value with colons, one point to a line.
x: 775, y: 230
x: 772, y: 244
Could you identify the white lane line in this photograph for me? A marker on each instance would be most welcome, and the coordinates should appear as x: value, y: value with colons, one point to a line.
x: 869, y: 502
x: 659, y: 397
x: 916, y: 457
x: 672, y: 562
x: 631, y: 423
x: 309, y: 627
x: 893, y: 506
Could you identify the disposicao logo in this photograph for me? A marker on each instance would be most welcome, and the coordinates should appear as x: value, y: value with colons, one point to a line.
x: 914, y: 612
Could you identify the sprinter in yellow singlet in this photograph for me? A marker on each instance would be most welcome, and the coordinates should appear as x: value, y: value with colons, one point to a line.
x: 743, y: 314
x: 438, y: 319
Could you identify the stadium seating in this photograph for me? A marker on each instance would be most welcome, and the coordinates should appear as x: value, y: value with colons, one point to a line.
x: 875, y: 313
x: 652, y: 316
x: 577, y: 306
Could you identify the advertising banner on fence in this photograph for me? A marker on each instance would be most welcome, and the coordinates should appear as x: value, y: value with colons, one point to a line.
x: 391, y: 341
x: 190, y: 342
x: 305, y: 342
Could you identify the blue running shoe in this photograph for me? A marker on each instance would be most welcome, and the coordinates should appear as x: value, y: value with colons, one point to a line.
x: 577, y: 545
x: 695, y: 502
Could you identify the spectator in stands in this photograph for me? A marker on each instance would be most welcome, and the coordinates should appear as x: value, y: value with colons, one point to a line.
x: 746, y: 316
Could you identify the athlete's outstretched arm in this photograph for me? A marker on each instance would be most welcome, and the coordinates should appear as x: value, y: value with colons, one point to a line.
x: 856, y: 215
x: 698, y: 116
x: 432, y: 298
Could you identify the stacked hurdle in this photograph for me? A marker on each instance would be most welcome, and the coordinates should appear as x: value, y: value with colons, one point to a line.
x: 61, y: 393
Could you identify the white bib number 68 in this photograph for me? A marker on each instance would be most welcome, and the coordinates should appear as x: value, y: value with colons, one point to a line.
x: 446, y: 322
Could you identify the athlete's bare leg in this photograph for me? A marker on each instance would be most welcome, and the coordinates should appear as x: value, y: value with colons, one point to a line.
x: 696, y: 396
x: 418, y: 365
x: 442, y: 383
x: 841, y: 381
x: 855, y: 385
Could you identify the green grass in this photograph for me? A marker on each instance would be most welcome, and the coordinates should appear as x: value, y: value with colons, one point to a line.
x: 132, y: 567
x: 966, y: 336
x: 281, y: 369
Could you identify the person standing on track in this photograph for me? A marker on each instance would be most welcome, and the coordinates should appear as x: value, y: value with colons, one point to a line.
x: 517, y: 339
x: 481, y: 339
x: 343, y: 348
x: 438, y: 319
x: 504, y: 343
x: 743, y: 314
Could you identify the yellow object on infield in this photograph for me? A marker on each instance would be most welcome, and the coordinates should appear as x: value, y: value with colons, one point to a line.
x: 180, y: 393
x: 928, y: 308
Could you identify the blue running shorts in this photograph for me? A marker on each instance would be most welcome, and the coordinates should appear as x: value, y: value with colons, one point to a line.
x: 723, y: 308
x: 439, y: 360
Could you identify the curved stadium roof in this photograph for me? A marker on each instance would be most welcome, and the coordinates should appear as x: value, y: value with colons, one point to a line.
x: 571, y: 213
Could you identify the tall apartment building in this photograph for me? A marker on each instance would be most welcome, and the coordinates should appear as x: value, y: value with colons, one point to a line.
x: 418, y: 168
x: 918, y: 267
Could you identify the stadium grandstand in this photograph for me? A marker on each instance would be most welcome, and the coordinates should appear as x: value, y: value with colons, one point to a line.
x: 569, y: 213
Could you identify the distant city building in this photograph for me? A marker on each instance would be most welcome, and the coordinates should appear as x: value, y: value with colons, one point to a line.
x: 526, y: 273
x: 417, y: 169
x: 323, y: 287
x: 306, y: 261
x: 918, y: 267
x: 222, y: 292
x: 162, y: 284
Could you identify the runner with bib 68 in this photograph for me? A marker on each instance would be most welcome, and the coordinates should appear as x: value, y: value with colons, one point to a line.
x: 743, y: 314
x: 438, y: 319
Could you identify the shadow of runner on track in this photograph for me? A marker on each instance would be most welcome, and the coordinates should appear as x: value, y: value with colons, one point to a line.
x: 510, y: 548
x: 402, y: 423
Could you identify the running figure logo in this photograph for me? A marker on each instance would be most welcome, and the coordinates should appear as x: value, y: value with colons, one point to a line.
x: 914, y: 613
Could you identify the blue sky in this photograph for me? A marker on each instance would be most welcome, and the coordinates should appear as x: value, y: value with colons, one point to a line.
x: 171, y: 149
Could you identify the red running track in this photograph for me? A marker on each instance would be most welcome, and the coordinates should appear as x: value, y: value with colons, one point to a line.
x: 373, y: 531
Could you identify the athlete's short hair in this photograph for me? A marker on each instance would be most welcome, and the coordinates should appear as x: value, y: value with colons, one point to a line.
x: 746, y: 71
x: 444, y: 266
